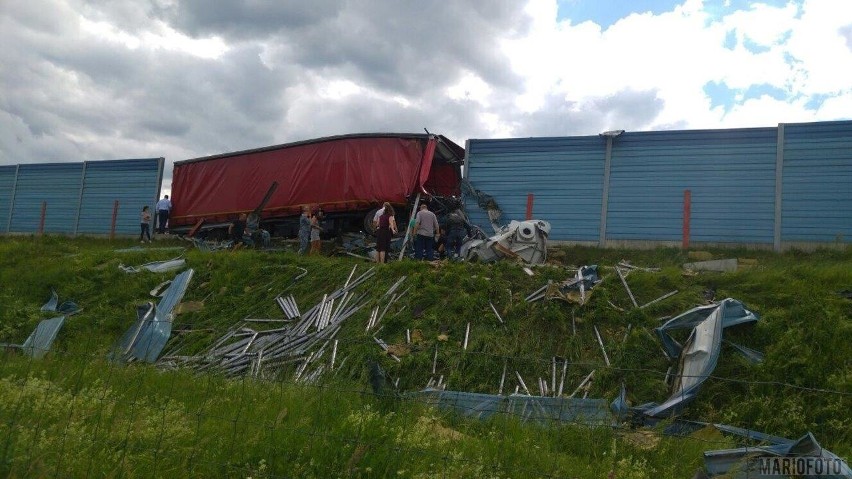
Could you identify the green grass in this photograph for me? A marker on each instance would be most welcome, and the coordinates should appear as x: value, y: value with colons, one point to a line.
x: 74, y: 414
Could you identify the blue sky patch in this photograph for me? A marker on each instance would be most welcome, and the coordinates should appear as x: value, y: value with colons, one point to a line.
x: 817, y: 100
x: 606, y: 13
x: 731, y: 39
x: 721, y: 94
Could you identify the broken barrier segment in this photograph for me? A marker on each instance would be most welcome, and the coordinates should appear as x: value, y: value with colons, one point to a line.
x: 698, y: 357
x: 803, y: 457
x: 537, y: 409
x: 733, y: 313
x: 67, y: 307
x: 144, y: 341
x: 41, y: 339
x: 524, y: 240
x: 51, y: 303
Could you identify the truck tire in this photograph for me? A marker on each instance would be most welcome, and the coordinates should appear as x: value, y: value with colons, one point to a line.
x: 368, y: 222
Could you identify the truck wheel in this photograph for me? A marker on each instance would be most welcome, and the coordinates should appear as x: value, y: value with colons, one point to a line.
x: 368, y: 222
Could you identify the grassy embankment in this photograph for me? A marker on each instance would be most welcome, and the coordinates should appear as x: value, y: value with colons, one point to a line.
x: 75, y: 414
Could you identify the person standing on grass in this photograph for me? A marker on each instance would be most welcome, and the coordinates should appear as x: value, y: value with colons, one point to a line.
x: 425, y: 231
x: 304, y: 229
x: 457, y: 228
x: 316, y: 229
x: 386, y: 229
x: 145, y: 223
x: 164, y: 209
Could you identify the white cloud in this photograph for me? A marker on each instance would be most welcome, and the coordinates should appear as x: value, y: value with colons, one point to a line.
x: 678, y: 52
x: 86, y: 80
x: 159, y: 36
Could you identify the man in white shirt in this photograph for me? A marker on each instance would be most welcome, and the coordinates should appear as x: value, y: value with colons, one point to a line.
x: 164, y: 208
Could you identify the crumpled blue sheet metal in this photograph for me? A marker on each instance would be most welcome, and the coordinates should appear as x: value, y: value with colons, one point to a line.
x: 576, y: 289
x: 67, y: 307
x: 41, y: 339
x: 619, y: 405
x: 697, y: 359
x: 537, y: 409
x: 742, y: 462
x: 734, y: 313
x: 156, y: 266
x: 51, y: 303
x: 145, y: 340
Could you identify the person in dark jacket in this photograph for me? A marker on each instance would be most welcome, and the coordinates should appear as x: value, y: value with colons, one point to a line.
x: 457, y: 229
x: 386, y: 229
x: 237, y: 230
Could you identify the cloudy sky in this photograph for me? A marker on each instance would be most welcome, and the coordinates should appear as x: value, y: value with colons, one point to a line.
x: 88, y: 80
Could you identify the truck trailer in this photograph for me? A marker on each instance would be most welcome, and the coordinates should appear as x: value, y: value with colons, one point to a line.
x: 348, y: 177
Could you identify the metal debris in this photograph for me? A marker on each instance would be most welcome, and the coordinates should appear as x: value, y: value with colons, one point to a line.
x: 577, y: 289
x: 156, y: 266
x: 803, y: 457
x: 466, y: 336
x: 624, y: 282
x: 67, y: 307
x: 495, y: 312
x: 41, y: 339
x: 665, y: 296
x: 528, y: 408
x: 698, y: 357
x: 600, y: 342
x: 585, y: 384
x: 146, y: 338
x: 300, y: 340
x: 721, y: 265
x: 524, y: 240
x: 51, y: 303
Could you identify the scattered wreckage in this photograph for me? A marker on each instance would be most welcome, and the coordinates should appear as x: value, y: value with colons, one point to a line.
x: 524, y: 240
x: 259, y: 347
x: 39, y: 342
x: 148, y: 335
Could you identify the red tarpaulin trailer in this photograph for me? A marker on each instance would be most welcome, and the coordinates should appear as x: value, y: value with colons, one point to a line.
x: 349, y: 174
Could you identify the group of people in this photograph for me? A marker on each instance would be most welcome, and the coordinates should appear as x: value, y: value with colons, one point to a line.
x: 427, y: 234
x: 164, y: 209
x: 246, y: 231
